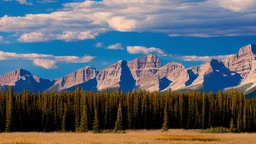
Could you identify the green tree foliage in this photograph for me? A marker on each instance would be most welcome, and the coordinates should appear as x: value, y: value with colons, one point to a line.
x: 9, y: 109
x: 119, y: 119
x: 108, y: 110
x: 84, y: 121
x: 96, y: 122
x: 166, y: 118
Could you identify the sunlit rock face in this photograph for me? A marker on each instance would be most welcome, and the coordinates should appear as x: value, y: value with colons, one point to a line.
x: 211, y: 76
x: 21, y: 80
x: 117, y: 76
x: 242, y: 62
x: 75, y: 79
x: 171, y: 71
x: 144, y: 71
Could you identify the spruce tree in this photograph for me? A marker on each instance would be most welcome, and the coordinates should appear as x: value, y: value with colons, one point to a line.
x: 84, y: 121
x: 8, y: 121
x: 231, y: 125
x: 119, y: 120
x: 165, y: 126
x: 96, y: 122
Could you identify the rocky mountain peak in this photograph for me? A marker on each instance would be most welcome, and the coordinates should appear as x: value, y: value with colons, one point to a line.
x: 150, y: 61
x: 11, y: 78
x: 171, y: 71
x: 247, y: 49
x: 242, y: 62
x: 75, y: 78
x: 116, y: 76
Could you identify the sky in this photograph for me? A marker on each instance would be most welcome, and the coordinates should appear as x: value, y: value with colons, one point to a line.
x: 52, y: 38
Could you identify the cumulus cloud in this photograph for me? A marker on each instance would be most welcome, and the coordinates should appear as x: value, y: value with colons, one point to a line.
x: 74, y: 59
x: 20, y: 1
x: 88, y: 19
x: 46, y: 61
x: 117, y: 46
x: 236, y: 5
x: 66, y: 36
x: 144, y: 50
x: 200, y: 58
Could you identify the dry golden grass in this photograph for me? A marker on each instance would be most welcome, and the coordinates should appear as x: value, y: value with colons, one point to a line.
x: 131, y: 137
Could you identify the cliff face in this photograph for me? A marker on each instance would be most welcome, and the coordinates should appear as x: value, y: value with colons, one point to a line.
x: 211, y: 76
x: 21, y: 79
x: 171, y: 71
x: 75, y: 78
x: 144, y: 71
x: 116, y: 76
x: 242, y: 62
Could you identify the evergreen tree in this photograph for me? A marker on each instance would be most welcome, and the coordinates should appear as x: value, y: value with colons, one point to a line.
x: 165, y: 126
x: 96, y: 122
x: 8, y: 121
x: 84, y: 121
x: 231, y: 125
x: 119, y: 120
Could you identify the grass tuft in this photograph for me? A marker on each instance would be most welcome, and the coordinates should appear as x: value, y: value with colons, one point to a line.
x: 186, y: 138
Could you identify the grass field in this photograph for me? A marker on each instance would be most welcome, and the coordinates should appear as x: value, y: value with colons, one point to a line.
x: 130, y: 137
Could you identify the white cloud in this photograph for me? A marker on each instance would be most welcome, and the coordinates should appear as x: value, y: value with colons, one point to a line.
x: 66, y: 36
x: 46, y: 1
x: 144, y: 50
x: 99, y: 45
x: 122, y: 24
x: 46, y: 61
x: 117, y: 46
x: 20, y: 1
x: 88, y: 19
x: 200, y: 58
x: 236, y: 5
x: 74, y: 59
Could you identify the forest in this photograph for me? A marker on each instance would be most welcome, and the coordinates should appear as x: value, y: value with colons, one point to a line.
x: 81, y: 111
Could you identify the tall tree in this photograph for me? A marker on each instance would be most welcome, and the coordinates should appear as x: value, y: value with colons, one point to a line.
x: 119, y: 119
x: 84, y: 121
x: 165, y: 126
x: 9, y: 107
x: 96, y: 122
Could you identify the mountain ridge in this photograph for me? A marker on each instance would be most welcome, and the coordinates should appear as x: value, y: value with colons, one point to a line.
x: 148, y: 73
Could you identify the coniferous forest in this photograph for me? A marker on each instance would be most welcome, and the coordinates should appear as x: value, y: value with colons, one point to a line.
x: 83, y: 111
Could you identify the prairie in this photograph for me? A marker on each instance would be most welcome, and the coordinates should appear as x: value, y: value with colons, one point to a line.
x: 130, y: 137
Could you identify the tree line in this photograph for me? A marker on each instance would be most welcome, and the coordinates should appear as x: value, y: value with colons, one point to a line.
x: 114, y: 110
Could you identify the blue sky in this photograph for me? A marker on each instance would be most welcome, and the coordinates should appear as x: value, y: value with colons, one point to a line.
x: 52, y: 38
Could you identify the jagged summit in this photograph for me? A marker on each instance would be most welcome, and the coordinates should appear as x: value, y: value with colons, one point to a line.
x: 75, y: 78
x: 147, y: 73
x: 247, y: 49
x: 22, y: 79
x: 116, y: 76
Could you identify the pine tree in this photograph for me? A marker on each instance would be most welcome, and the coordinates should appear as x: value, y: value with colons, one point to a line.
x: 231, y: 125
x: 63, y: 121
x: 84, y: 121
x: 119, y: 120
x: 165, y: 126
x: 96, y: 122
x: 8, y: 121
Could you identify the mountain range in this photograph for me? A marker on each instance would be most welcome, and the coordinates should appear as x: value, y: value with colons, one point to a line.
x: 238, y: 71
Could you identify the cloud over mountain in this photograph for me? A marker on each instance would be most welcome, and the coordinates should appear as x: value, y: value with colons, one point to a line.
x: 46, y: 61
x: 144, y: 50
x: 88, y: 19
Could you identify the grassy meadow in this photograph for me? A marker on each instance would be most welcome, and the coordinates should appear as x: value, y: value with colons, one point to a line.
x: 130, y: 137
